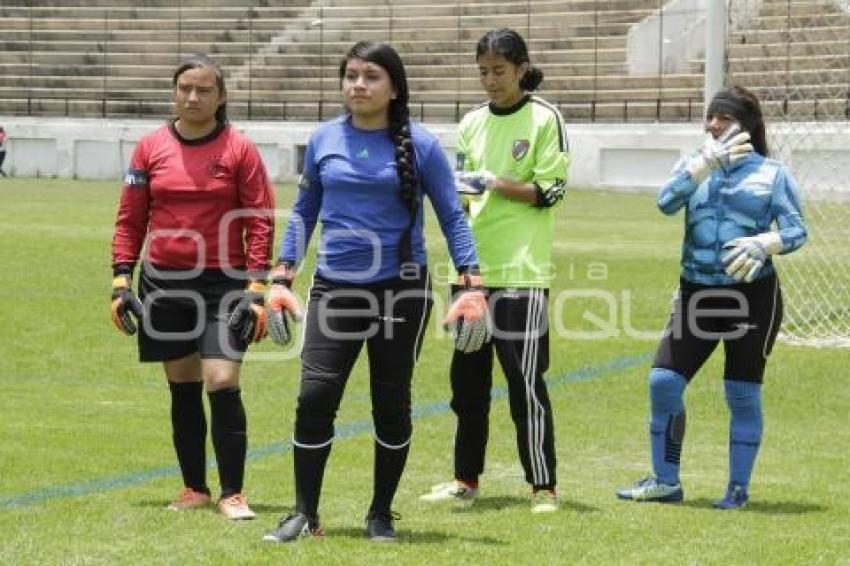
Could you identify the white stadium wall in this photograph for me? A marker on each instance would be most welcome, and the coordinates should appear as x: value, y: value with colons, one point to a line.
x: 615, y: 156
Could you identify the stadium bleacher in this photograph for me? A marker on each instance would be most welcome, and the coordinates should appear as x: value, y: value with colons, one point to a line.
x: 114, y: 58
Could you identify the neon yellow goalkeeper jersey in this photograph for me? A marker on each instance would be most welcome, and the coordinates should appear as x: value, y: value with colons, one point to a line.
x: 525, y: 143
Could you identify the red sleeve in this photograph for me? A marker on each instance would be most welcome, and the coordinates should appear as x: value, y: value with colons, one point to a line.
x: 256, y: 194
x: 133, y: 210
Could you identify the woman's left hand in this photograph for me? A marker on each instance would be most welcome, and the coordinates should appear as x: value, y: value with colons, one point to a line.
x: 248, y: 319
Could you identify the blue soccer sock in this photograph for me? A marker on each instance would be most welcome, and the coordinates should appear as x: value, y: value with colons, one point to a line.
x: 745, y: 429
x: 667, y: 424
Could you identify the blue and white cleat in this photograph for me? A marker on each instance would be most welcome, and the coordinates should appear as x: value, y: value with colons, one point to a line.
x: 736, y: 498
x: 650, y: 489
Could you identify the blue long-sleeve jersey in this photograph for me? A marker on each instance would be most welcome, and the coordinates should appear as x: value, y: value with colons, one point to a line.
x: 744, y: 201
x: 351, y: 184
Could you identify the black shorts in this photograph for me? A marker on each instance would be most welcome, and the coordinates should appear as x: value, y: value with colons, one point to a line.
x: 188, y: 315
x: 745, y: 316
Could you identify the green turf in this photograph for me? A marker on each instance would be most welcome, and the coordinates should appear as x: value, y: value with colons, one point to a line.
x: 86, y: 464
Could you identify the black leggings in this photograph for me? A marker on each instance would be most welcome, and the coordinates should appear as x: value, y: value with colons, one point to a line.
x: 746, y: 316
x: 390, y: 317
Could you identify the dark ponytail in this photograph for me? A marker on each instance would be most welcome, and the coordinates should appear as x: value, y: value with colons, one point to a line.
x: 510, y: 45
x: 385, y: 56
x: 199, y: 61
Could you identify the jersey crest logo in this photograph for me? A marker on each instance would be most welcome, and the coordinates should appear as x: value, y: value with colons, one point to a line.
x: 520, y: 149
x: 363, y: 153
x: 215, y: 167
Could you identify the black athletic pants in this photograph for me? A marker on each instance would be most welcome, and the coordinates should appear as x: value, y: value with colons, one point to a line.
x: 521, y: 342
x: 390, y: 317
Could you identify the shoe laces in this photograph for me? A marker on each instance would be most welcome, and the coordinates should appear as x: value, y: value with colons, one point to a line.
x: 188, y: 494
x: 310, y: 526
x: 737, y: 493
x: 388, y: 516
x: 236, y: 500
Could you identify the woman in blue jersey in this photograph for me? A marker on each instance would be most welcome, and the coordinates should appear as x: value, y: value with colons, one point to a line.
x: 365, y: 176
x: 513, y: 159
x: 733, y: 195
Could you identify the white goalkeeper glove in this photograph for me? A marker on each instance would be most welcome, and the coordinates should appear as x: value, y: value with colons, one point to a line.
x: 473, y: 182
x: 747, y: 255
x: 724, y: 152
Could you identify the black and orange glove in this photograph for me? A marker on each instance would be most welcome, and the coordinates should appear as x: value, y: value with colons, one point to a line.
x: 471, y: 317
x: 248, y: 319
x: 282, y: 305
x: 125, y: 303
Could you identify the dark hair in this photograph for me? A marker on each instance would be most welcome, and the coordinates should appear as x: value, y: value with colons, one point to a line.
x: 744, y: 106
x: 510, y: 45
x: 398, y: 114
x: 200, y: 61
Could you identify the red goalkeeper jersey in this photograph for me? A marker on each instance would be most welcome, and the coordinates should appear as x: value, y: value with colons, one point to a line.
x: 204, y: 203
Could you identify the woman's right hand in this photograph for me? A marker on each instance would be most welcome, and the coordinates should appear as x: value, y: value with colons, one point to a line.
x: 281, y: 305
x: 471, y: 316
x: 724, y: 152
x: 125, y: 303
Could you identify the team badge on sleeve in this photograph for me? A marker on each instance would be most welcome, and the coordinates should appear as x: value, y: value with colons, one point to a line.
x: 137, y: 178
x: 303, y: 182
x: 520, y: 149
x: 460, y: 161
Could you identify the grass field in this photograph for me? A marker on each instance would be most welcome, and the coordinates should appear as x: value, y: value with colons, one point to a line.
x: 86, y: 464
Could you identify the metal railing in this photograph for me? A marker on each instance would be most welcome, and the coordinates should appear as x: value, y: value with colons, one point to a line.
x: 626, y: 110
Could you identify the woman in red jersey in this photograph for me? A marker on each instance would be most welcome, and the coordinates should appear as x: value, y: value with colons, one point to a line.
x: 197, y: 198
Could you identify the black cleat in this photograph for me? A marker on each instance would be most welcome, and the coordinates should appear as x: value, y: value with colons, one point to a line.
x: 293, y: 527
x: 379, y: 526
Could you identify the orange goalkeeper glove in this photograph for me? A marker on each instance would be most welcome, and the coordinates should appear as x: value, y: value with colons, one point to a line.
x: 248, y: 319
x: 282, y: 305
x: 125, y: 303
x: 469, y: 312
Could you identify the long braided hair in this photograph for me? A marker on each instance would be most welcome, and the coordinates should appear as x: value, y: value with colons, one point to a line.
x: 383, y: 55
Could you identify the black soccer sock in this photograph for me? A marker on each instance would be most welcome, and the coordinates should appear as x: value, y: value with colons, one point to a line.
x: 309, y: 473
x: 189, y: 432
x: 229, y: 437
x: 389, y: 465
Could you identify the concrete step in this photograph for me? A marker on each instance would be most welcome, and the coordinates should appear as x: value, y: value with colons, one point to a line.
x: 783, y: 49
x: 423, y: 71
x: 796, y: 35
x: 833, y: 62
x: 796, y: 7
x: 799, y: 20
x: 471, y: 83
x: 794, y: 77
